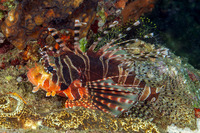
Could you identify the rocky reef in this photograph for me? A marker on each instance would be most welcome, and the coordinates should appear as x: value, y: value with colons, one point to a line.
x: 24, y: 33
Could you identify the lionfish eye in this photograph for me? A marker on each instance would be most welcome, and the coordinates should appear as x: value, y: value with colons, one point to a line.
x: 50, y: 68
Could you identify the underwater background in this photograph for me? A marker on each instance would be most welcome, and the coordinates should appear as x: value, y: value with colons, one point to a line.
x: 156, y: 41
x: 179, y: 24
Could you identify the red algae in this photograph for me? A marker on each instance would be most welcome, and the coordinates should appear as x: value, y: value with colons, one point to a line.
x: 5, y: 47
x: 15, y: 62
x: 197, y: 112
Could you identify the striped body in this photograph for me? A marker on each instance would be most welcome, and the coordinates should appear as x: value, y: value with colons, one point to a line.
x: 102, y: 79
x: 96, y: 81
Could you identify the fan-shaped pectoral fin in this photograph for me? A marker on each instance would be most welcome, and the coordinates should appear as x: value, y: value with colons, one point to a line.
x: 35, y: 89
x: 85, y: 102
x: 50, y: 93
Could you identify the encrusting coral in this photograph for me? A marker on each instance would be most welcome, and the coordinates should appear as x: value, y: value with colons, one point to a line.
x: 94, y: 120
x: 16, y: 114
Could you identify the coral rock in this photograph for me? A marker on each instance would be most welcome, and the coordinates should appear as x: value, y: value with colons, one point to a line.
x: 136, y: 8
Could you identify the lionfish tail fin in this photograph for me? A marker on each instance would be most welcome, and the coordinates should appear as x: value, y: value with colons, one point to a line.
x: 111, y: 97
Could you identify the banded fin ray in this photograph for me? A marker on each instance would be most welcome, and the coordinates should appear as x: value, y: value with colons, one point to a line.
x: 111, y: 97
x: 62, y: 43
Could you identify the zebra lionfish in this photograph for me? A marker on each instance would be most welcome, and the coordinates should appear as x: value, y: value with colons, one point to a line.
x: 101, y: 79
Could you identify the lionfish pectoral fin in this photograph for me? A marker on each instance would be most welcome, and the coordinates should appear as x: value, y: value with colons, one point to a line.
x: 50, y: 93
x: 35, y: 89
x: 53, y: 93
x: 69, y: 103
x: 79, y: 103
x: 111, y: 97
